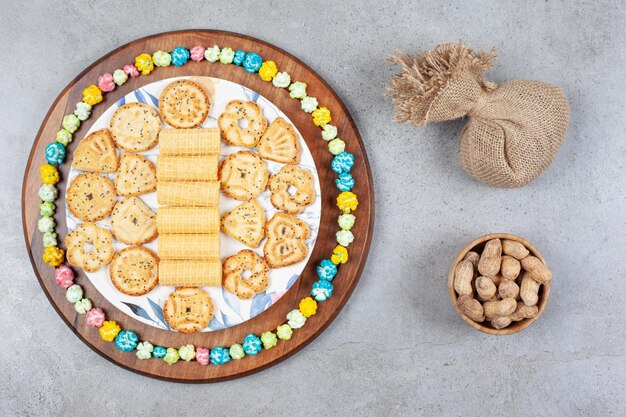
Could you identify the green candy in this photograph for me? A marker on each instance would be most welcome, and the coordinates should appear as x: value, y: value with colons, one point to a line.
x: 49, y: 239
x: 71, y: 123
x: 329, y: 132
x: 172, y: 356
x: 269, y: 340
x: 46, y: 224
x: 336, y: 146
x: 227, y: 55
x: 346, y: 221
x: 297, y: 90
x: 63, y: 137
x: 284, y: 332
x: 187, y: 352
x: 236, y: 351
x: 83, y: 306
x: 345, y: 237
x: 119, y: 78
x: 212, y: 54
x: 281, y: 80
x: 162, y: 59
x: 144, y: 350
x: 47, y: 208
x: 74, y: 293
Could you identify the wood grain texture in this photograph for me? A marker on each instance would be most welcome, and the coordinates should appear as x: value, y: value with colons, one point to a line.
x: 477, y: 245
x: 348, y: 275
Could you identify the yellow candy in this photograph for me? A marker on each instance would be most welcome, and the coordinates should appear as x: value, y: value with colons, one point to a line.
x: 321, y: 116
x: 109, y: 330
x: 347, y: 202
x: 144, y: 63
x: 308, y: 307
x: 268, y: 70
x: 49, y: 174
x: 340, y: 255
x: 92, y: 95
x: 53, y: 255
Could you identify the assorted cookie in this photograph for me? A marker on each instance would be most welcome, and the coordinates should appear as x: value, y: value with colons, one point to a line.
x: 292, y: 189
x: 78, y: 253
x: 245, y: 287
x: 235, y: 113
x: 134, y: 270
x: 188, y: 310
x: 90, y: 197
x: 96, y: 153
x: 136, y: 175
x: 132, y: 222
x: 246, y: 223
x: 135, y: 127
x: 285, y: 245
x: 243, y: 175
x: 184, y: 104
x: 280, y: 143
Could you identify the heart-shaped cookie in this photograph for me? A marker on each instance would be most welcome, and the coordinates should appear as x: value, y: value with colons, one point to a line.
x: 285, y: 240
x: 246, y: 223
x: 136, y: 175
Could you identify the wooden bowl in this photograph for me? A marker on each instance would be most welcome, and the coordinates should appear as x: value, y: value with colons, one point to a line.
x: 478, y: 245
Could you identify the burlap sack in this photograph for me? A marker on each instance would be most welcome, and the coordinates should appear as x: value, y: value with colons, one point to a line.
x: 514, y: 130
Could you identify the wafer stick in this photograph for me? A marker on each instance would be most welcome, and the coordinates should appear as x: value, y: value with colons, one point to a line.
x: 189, y: 141
x: 179, y: 246
x: 191, y: 273
x: 187, y: 168
x: 178, y: 193
x: 188, y: 220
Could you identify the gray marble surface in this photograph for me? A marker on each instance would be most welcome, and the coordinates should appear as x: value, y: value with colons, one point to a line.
x: 398, y: 347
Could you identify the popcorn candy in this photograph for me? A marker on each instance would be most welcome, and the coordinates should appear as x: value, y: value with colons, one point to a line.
x: 144, y: 64
x: 105, y: 82
x: 92, y: 95
x: 53, y: 255
x: 268, y: 70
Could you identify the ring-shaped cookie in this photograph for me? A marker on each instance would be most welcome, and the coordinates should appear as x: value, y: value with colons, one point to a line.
x: 302, y: 182
x: 233, y: 278
x: 89, y: 233
x: 228, y: 123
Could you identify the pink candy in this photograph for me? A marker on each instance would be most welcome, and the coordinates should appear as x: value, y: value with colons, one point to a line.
x: 64, y: 276
x: 202, y: 356
x: 131, y: 70
x: 95, y: 317
x: 197, y: 53
x: 105, y: 82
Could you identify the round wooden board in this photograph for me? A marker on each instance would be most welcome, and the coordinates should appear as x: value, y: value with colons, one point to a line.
x: 347, y: 277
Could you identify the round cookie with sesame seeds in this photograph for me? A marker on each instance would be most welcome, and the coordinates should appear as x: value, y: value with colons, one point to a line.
x: 135, y: 127
x: 134, y: 270
x: 90, y: 197
x: 184, y: 104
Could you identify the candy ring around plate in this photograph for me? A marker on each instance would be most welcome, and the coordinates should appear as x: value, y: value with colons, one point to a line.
x: 300, y: 323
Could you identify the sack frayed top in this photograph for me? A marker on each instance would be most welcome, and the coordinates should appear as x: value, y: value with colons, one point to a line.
x: 514, y: 130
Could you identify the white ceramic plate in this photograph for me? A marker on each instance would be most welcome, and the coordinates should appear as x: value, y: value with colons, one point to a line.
x: 228, y: 309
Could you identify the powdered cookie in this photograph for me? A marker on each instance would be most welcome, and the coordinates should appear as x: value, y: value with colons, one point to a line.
x: 89, y: 260
x: 134, y: 270
x: 298, y: 178
x: 133, y: 222
x: 285, y: 240
x: 188, y: 310
x: 246, y: 223
x: 233, y: 279
x: 136, y: 175
x: 90, y: 197
x: 280, y: 143
x: 135, y: 127
x: 184, y: 104
x: 96, y: 153
x: 230, y: 129
x: 243, y: 175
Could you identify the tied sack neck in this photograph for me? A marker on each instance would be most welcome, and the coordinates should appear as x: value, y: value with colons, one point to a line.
x: 514, y: 130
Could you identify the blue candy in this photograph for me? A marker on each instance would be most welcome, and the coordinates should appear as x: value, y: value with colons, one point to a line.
x: 159, y: 352
x: 326, y: 270
x: 343, y: 162
x: 239, y: 57
x: 180, y: 55
x: 126, y: 340
x: 55, y: 153
x: 252, y: 344
x: 344, y: 181
x: 253, y: 62
x: 219, y: 356
x: 322, y: 290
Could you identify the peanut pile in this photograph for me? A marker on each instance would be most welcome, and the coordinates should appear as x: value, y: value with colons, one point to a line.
x: 506, y: 286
